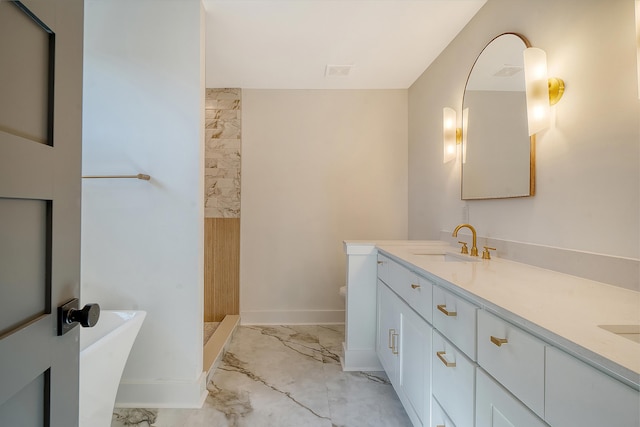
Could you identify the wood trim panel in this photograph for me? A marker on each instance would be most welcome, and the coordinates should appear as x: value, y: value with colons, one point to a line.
x: 221, y: 268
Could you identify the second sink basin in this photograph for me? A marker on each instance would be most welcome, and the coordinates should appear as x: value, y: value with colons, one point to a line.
x: 630, y: 332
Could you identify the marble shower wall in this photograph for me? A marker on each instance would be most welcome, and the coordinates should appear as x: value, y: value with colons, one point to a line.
x: 223, y: 141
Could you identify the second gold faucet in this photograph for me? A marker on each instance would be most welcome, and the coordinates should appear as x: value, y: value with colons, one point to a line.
x: 474, y: 248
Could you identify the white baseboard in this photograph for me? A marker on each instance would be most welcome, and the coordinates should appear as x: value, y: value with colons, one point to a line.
x: 360, y: 360
x: 163, y: 394
x: 292, y: 317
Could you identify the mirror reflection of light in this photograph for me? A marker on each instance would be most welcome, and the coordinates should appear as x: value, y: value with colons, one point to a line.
x: 448, y: 134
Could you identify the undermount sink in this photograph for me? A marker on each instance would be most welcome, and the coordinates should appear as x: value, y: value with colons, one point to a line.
x: 447, y: 257
x: 630, y: 332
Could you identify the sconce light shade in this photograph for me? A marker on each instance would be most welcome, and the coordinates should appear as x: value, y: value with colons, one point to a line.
x: 542, y: 91
x: 537, y: 88
x: 449, y: 134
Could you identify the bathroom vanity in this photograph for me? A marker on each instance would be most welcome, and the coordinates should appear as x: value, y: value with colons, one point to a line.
x: 473, y: 342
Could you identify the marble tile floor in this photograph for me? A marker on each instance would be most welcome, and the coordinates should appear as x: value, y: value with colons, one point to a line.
x: 283, y: 376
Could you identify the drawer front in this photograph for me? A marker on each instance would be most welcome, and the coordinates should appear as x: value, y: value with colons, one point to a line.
x: 455, y: 318
x: 438, y: 417
x: 419, y: 295
x: 514, y: 358
x: 414, y: 289
x: 495, y: 406
x: 453, y: 381
x: 383, y: 268
x: 577, y: 395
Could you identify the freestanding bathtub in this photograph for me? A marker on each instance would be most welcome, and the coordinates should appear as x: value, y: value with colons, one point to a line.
x: 104, y: 350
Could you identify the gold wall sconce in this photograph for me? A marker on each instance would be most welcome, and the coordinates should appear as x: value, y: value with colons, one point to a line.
x: 451, y: 135
x: 542, y: 91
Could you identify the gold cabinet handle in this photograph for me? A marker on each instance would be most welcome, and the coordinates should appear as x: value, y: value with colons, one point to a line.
x: 414, y: 286
x: 394, y: 348
x: 380, y: 262
x: 498, y: 341
x: 441, y: 425
x: 448, y: 364
x: 389, y: 342
x: 443, y: 308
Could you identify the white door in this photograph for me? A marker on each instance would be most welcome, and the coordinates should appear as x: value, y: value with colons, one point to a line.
x: 40, y: 156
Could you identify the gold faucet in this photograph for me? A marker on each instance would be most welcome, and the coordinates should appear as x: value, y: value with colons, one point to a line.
x: 474, y: 248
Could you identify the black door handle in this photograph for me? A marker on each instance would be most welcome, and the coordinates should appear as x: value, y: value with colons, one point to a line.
x: 69, y: 315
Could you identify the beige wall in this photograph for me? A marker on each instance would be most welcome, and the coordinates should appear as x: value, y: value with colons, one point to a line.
x: 588, y: 181
x: 318, y: 167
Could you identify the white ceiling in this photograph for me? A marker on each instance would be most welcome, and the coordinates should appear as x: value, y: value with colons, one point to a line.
x: 287, y: 44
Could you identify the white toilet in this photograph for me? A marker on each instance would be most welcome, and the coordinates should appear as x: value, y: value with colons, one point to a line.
x: 343, y: 291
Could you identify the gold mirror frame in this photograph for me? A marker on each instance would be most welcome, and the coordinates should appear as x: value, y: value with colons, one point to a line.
x: 487, y: 169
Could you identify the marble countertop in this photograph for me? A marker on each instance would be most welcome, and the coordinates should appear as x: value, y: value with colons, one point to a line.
x: 561, y: 309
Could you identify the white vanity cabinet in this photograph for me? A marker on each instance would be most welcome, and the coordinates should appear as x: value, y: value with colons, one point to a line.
x: 464, y: 361
x: 578, y: 395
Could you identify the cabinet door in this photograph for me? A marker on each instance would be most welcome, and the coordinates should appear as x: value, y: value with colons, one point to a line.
x: 496, y: 407
x: 415, y: 365
x: 577, y: 395
x: 388, y: 331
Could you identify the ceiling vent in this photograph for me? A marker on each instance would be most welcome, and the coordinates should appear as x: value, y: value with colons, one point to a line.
x: 508, y: 70
x: 337, y: 70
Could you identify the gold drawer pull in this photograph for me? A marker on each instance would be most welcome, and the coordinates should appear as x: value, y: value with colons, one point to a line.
x: 414, y: 286
x: 443, y: 308
x: 441, y: 425
x: 498, y: 341
x: 394, y: 349
x: 391, y: 332
x: 380, y: 262
x: 448, y: 364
